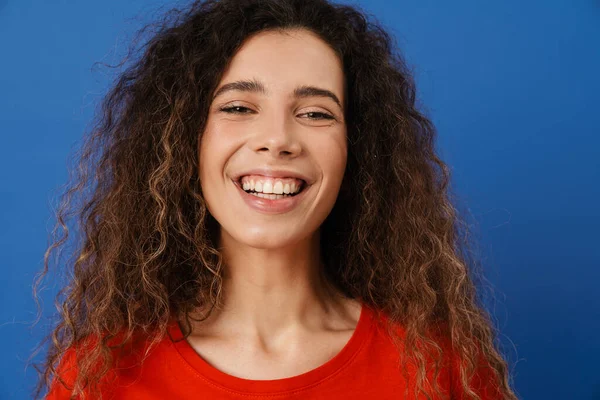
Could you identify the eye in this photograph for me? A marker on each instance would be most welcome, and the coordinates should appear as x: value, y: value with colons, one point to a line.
x: 318, y: 115
x: 235, y: 110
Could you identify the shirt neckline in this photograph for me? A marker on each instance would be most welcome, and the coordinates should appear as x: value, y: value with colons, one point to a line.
x: 308, y: 379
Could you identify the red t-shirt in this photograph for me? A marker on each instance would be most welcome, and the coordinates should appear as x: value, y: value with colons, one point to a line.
x: 366, y: 368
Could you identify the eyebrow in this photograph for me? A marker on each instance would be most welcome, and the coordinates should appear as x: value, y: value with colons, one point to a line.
x: 254, y: 86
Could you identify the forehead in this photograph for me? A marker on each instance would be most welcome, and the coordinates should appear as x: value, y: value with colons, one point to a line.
x: 284, y: 60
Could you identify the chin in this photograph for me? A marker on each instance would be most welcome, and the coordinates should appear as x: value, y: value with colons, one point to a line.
x: 268, y: 239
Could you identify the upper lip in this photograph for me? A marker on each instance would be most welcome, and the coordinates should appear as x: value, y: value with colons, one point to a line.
x: 272, y: 173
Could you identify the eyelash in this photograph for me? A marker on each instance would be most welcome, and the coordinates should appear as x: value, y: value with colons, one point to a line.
x: 325, y: 116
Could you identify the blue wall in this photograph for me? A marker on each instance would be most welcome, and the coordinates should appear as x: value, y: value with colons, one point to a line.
x: 511, y: 85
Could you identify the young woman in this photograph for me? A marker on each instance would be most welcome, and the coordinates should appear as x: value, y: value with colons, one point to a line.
x: 268, y: 220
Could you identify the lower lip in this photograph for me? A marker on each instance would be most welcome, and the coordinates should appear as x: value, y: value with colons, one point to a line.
x: 268, y: 206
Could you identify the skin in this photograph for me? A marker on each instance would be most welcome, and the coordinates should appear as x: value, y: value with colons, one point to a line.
x: 279, y: 318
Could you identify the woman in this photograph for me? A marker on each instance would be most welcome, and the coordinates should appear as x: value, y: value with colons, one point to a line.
x: 269, y: 220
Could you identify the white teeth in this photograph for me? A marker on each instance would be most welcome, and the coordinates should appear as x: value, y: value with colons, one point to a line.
x: 270, y: 186
x: 267, y: 187
x: 277, y: 189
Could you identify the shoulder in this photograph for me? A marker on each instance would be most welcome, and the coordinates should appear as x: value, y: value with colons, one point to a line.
x: 483, y: 379
x: 126, y: 354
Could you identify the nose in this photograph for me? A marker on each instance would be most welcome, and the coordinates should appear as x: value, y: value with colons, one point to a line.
x: 277, y: 136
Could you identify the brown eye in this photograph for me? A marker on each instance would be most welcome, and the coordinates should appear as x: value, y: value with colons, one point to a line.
x: 235, y: 110
x: 319, y: 115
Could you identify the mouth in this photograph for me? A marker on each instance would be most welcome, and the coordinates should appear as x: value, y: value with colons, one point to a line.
x: 272, y: 203
x: 273, y: 193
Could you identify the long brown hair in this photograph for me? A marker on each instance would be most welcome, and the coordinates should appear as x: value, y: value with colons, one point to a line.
x: 147, y: 250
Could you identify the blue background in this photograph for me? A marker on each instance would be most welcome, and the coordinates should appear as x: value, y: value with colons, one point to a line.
x: 512, y: 87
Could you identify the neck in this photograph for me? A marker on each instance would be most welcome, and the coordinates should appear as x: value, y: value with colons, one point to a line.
x: 271, y: 291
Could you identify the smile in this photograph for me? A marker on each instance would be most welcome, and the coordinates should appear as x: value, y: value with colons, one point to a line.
x: 271, y: 186
x: 271, y: 203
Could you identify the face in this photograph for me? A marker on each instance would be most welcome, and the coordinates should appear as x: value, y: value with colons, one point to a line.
x: 276, y: 123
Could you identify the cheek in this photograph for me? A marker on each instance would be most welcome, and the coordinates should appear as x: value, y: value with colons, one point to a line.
x: 213, y: 150
x: 211, y: 164
x: 332, y: 154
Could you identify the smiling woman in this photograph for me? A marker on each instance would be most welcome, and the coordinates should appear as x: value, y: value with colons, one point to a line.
x: 268, y: 219
x: 274, y: 78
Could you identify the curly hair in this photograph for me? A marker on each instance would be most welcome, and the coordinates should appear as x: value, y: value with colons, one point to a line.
x: 147, y: 252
